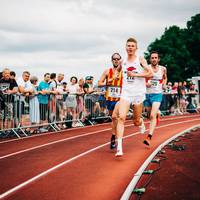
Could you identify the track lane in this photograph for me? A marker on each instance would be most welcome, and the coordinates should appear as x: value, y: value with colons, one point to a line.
x: 92, y: 139
x: 20, y: 146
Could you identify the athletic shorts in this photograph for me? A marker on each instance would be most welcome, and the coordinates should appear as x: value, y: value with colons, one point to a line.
x: 137, y: 99
x: 151, y: 98
x: 111, y: 105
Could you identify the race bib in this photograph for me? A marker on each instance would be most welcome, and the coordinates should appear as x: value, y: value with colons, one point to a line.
x: 155, y: 83
x: 114, y: 92
x: 130, y: 79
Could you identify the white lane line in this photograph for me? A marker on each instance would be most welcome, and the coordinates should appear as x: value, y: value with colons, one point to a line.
x: 62, y: 140
x: 71, y: 129
x: 49, y: 133
x: 54, y: 142
x: 129, y: 189
x: 16, y: 188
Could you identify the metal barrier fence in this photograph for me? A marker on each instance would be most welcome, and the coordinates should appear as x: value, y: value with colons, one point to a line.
x: 23, y: 115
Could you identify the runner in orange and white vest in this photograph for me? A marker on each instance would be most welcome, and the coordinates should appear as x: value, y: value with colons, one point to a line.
x: 112, y: 80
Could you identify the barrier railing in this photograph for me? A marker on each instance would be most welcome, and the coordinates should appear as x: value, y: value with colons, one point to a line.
x: 23, y: 115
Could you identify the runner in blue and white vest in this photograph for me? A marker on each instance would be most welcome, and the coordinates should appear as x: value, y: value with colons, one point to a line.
x: 154, y: 94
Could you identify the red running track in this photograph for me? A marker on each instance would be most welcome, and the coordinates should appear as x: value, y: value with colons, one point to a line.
x: 77, y: 163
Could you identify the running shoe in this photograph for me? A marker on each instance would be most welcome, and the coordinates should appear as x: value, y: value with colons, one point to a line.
x: 112, y: 142
x: 119, y: 153
x: 147, y: 141
x: 142, y: 127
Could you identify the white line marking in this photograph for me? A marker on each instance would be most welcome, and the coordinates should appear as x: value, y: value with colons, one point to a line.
x: 69, y: 160
x: 54, y: 142
x: 49, y: 133
x: 65, y: 139
x: 71, y: 129
x: 129, y: 189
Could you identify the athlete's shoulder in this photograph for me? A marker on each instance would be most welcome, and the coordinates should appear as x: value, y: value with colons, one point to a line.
x: 163, y: 68
x: 106, y: 71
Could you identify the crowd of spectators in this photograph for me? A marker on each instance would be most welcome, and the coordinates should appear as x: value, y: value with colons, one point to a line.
x: 47, y: 101
x: 24, y: 101
x: 180, y: 97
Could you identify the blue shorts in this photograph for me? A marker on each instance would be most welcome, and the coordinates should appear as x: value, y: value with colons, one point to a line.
x: 151, y: 98
x: 111, y: 105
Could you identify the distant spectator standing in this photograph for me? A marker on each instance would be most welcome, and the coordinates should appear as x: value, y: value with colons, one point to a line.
x: 80, y: 99
x: 25, y: 90
x: 90, y: 103
x: 43, y: 97
x: 71, y: 101
x: 34, y: 103
x: 12, y: 75
x: 59, y: 98
x: 52, y: 98
x: 8, y: 87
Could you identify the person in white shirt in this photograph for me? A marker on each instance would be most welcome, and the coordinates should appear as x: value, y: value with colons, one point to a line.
x: 24, y: 84
x: 25, y: 89
x: 71, y: 101
x: 135, y: 70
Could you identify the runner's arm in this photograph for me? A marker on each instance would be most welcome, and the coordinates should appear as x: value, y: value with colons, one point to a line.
x: 103, y: 78
x: 147, y: 73
x: 164, y: 76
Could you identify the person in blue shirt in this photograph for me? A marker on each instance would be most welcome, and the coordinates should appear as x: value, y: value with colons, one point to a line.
x: 43, y: 97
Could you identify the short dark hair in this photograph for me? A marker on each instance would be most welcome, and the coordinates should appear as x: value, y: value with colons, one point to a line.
x: 156, y: 52
x: 52, y: 75
x: 12, y: 73
x: 74, y: 78
x: 26, y: 72
x: 46, y: 74
x: 116, y: 54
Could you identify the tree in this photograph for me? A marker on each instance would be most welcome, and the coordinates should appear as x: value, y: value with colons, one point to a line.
x: 179, y: 50
x: 192, y: 39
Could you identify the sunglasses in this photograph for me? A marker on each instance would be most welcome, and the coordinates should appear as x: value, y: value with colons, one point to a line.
x: 116, y: 59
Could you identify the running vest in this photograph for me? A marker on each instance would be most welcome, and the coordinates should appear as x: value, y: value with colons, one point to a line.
x: 133, y: 86
x: 156, y: 82
x: 113, y: 91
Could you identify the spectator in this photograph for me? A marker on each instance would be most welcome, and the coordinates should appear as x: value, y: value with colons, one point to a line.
x: 24, y: 84
x: 175, y: 88
x: 90, y: 103
x: 34, y: 103
x: 25, y: 90
x: 52, y: 98
x: 8, y: 87
x: 192, y: 100
x: 182, y: 90
x: 71, y: 101
x: 80, y: 99
x: 59, y: 97
x: 43, y: 97
x: 12, y: 75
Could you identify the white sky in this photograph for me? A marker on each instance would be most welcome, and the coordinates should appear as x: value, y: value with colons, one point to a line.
x: 77, y: 37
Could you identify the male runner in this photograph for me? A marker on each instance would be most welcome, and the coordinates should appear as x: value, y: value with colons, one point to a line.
x: 135, y: 70
x: 155, y: 87
x: 113, y: 84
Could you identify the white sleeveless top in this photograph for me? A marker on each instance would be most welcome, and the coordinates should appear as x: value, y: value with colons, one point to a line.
x: 133, y: 86
x: 156, y: 82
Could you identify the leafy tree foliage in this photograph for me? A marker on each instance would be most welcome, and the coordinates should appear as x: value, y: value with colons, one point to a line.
x: 179, y: 50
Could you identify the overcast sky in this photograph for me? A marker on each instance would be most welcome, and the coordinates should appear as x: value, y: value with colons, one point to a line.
x: 78, y: 37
